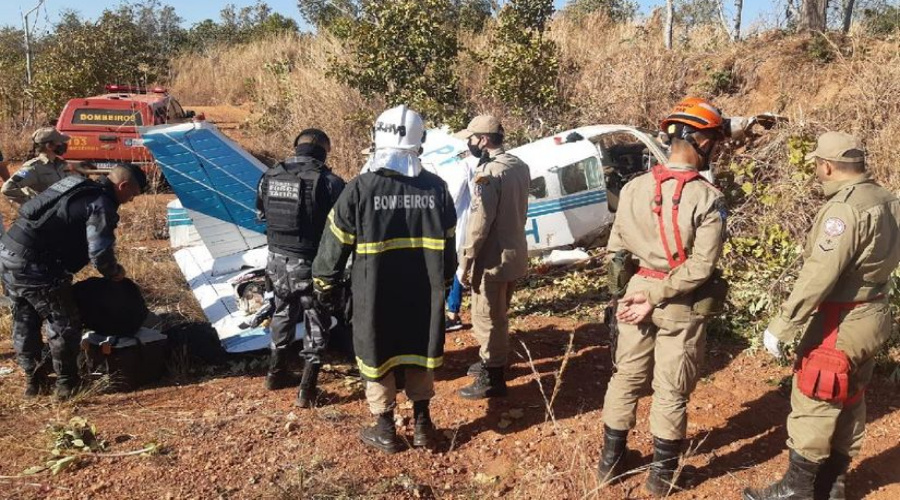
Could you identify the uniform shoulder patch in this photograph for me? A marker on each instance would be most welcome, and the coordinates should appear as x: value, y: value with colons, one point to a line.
x: 482, y: 179
x: 834, y: 226
x: 722, y: 208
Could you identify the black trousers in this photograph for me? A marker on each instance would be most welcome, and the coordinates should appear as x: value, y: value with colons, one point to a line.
x: 32, y: 305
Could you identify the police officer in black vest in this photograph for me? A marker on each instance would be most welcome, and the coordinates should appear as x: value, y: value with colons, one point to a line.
x: 294, y: 198
x: 57, y: 233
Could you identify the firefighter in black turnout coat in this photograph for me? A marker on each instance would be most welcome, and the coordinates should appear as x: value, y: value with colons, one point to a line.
x: 294, y: 199
x: 399, y: 221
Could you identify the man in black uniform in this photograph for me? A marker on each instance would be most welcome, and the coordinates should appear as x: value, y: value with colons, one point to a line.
x: 294, y: 199
x: 400, y: 222
x: 57, y: 233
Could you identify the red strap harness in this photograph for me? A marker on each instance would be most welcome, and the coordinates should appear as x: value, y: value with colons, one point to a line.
x: 651, y: 273
x: 662, y: 174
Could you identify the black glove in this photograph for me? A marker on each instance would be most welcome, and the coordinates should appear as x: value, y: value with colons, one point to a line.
x: 328, y: 300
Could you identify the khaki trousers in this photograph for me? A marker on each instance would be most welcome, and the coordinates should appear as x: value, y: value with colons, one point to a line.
x: 490, y: 320
x: 382, y: 394
x: 672, y: 352
x: 816, y: 428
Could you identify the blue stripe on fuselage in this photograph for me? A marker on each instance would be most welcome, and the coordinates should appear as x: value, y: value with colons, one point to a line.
x: 564, y: 203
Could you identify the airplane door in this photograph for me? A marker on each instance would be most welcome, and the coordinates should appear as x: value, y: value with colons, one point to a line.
x: 579, y: 211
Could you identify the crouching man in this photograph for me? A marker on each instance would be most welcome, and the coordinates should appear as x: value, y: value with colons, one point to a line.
x: 58, y: 232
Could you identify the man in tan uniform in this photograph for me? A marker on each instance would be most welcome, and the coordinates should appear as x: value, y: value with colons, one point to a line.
x: 839, y: 300
x: 41, y: 172
x: 673, y: 223
x: 495, y: 253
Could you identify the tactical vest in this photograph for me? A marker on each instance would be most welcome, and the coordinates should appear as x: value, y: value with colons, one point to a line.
x: 42, y: 232
x: 294, y: 218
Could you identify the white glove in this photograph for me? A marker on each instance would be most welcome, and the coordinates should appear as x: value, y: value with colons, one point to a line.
x: 773, y: 345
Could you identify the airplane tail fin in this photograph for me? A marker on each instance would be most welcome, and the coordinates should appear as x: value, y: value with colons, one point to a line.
x: 215, y: 180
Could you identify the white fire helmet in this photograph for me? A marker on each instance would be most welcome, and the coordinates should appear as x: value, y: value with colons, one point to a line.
x: 399, y: 128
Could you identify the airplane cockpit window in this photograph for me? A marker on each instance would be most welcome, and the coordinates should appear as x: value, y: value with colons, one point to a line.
x: 624, y: 153
x: 538, y: 188
x: 625, y: 156
x: 580, y: 176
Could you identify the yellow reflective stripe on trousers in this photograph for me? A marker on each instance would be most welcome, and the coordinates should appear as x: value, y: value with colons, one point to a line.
x: 342, y: 236
x: 403, y: 359
x: 400, y: 244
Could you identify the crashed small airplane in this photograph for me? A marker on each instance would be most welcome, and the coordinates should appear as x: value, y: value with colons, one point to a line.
x: 576, y: 177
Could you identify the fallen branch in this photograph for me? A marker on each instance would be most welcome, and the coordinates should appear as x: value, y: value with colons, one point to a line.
x: 537, y: 379
x: 150, y: 448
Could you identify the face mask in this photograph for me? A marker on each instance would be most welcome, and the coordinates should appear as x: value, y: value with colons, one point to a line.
x: 475, y: 150
x: 60, y: 149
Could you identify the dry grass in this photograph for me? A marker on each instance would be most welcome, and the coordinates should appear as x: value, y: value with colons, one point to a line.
x: 14, y: 142
x: 285, y: 78
x: 611, y: 73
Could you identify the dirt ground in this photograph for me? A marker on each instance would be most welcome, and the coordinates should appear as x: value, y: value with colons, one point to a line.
x: 224, y: 436
x: 221, y: 435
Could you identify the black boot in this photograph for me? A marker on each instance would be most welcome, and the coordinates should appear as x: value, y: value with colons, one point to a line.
x: 798, y: 482
x: 37, y: 382
x: 612, y: 459
x: 306, y: 398
x: 832, y: 477
x: 382, y: 435
x: 475, y: 368
x: 488, y: 384
x: 661, y: 481
x: 279, y: 376
x: 67, y: 387
x: 423, y: 436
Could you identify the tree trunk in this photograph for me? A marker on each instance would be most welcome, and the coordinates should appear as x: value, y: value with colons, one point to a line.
x: 812, y: 15
x: 848, y: 14
x: 738, y: 8
x: 670, y: 23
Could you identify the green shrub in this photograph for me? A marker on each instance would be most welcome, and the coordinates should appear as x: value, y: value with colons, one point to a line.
x: 524, y: 61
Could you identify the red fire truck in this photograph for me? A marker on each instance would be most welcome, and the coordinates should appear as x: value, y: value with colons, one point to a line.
x: 103, y: 128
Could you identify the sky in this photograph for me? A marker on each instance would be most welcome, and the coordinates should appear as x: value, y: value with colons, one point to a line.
x: 198, y: 10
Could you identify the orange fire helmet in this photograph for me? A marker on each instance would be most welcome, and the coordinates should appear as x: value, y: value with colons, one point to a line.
x: 696, y: 114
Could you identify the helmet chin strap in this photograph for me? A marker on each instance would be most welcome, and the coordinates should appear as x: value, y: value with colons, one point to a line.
x: 703, y: 153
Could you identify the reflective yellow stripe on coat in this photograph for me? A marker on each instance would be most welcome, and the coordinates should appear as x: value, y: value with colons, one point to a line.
x: 400, y: 244
x: 342, y: 236
x: 404, y: 359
